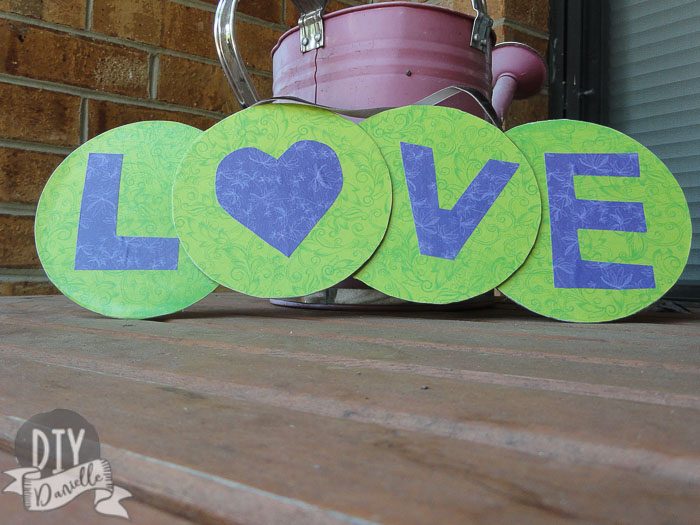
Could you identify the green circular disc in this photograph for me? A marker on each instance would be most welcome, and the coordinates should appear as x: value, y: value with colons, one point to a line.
x: 282, y: 200
x: 616, y: 229
x: 104, y: 229
x: 466, y: 206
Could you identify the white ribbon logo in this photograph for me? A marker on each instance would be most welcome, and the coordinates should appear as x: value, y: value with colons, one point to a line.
x: 53, y: 492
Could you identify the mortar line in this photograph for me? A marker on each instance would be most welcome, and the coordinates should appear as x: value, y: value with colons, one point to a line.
x: 23, y: 275
x: 147, y: 48
x: 105, y: 38
x: 89, y: 10
x: 17, y: 209
x: 197, y: 4
x: 154, y: 74
x: 34, y: 146
x: 84, y: 113
x: 108, y: 97
x: 515, y: 25
x: 258, y: 21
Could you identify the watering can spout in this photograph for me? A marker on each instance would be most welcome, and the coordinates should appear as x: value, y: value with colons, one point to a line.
x: 518, y: 72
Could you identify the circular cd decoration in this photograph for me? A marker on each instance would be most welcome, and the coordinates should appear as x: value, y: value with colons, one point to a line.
x: 616, y: 229
x: 466, y: 206
x: 282, y: 200
x: 104, y: 230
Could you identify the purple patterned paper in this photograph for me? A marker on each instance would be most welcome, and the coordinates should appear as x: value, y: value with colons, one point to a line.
x: 568, y: 215
x: 99, y: 247
x: 280, y: 200
x: 443, y: 233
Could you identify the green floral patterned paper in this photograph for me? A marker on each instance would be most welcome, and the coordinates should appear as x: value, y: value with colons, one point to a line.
x: 344, y: 238
x: 152, y: 151
x: 666, y: 245
x: 462, y: 145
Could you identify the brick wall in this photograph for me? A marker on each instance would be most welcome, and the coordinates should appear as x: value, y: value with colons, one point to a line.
x: 72, y: 69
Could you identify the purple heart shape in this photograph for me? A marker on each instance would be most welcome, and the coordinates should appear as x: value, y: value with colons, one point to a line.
x: 280, y: 200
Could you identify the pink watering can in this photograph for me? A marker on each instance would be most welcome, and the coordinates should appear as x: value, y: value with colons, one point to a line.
x: 372, y: 57
x: 388, y: 55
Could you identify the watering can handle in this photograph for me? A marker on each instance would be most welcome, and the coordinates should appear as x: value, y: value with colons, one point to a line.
x: 234, y: 66
x: 229, y: 54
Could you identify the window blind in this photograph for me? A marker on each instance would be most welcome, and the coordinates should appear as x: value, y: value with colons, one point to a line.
x: 654, y: 90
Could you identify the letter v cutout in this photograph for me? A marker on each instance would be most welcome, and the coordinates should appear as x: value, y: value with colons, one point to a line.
x: 443, y: 233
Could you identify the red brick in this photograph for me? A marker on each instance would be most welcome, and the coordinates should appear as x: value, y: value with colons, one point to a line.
x: 207, y: 87
x: 188, y: 30
x: 256, y: 44
x: 38, y: 115
x: 508, y: 33
x: 533, y: 13
x: 27, y: 288
x: 270, y: 10
x: 73, y: 60
x: 141, y: 21
x: 23, y: 174
x: 182, y: 28
x: 263, y: 85
x: 497, y: 8
x: 17, y: 242
x: 166, y: 24
x: 65, y: 12
x: 529, y: 110
x: 103, y: 116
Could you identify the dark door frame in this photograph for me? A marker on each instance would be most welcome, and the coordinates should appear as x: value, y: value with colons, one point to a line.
x: 577, y: 59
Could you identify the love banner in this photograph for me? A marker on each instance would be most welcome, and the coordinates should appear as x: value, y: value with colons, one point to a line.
x: 572, y: 220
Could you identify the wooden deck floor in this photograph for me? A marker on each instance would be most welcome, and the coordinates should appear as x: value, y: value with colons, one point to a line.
x: 240, y: 412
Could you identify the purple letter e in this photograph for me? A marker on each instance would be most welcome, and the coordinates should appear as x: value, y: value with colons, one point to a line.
x: 568, y: 215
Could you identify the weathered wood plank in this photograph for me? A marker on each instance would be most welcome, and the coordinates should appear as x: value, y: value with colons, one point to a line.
x: 524, y: 420
x: 357, y: 351
x: 338, y: 461
x: 204, y: 498
x: 79, y: 512
x: 671, y: 335
x: 649, y: 426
